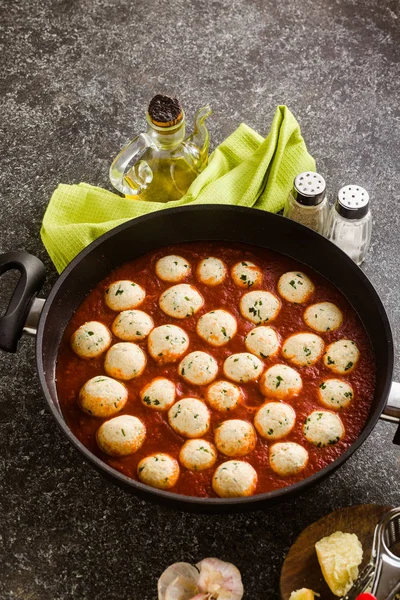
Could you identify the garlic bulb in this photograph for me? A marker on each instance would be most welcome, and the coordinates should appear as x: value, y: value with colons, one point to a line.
x: 210, y: 579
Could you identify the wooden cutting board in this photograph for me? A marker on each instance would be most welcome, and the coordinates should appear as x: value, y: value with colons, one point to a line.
x: 301, y: 567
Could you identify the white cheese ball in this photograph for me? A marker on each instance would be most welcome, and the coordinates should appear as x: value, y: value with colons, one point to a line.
x: 303, y: 349
x: 223, y: 396
x: 245, y: 274
x: 102, y: 396
x: 189, y: 417
x: 335, y: 393
x: 172, y: 268
x: 217, y: 327
x: 262, y: 341
x: 288, y: 458
x: 295, y: 286
x: 125, y: 361
x: 243, y: 367
x: 211, y: 271
x: 280, y: 381
x: 341, y: 356
x: 159, y: 394
x: 124, y: 295
x: 198, y: 368
x: 323, y: 428
x: 91, y: 339
x: 197, y: 455
x: 167, y: 343
x: 132, y: 325
x: 121, y: 436
x: 323, y: 316
x: 259, y: 307
x: 158, y: 470
x: 181, y: 301
x: 235, y: 437
x: 233, y: 479
x: 275, y: 420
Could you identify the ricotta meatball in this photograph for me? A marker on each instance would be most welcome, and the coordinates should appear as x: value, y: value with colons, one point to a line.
x: 295, y: 286
x: 280, y: 381
x: 233, y: 479
x: 91, y: 339
x: 172, y: 268
x: 197, y: 455
x: 181, y: 301
x: 275, y: 420
x: 323, y: 317
x: 132, y: 325
x: 303, y: 349
x: 217, y: 327
x: 341, y: 356
x: 158, y: 470
x: 121, y: 436
x: 189, y: 417
x: 167, y: 343
x: 259, y: 306
x: 211, y: 271
x: 125, y: 361
x: 243, y: 367
x: 323, y: 428
x: 287, y: 458
x: 124, y: 295
x: 235, y: 438
x: 223, y: 396
x: 262, y: 341
x: 159, y: 394
x: 245, y: 274
x: 335, y: 393
x: 102, y: 396
x: 198, y: 368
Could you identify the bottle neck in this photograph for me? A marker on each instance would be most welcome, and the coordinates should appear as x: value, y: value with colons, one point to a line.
x: 167, y: 138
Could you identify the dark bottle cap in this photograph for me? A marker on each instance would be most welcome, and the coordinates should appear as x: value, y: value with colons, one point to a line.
x: 309, y: 188
x: 165, y: 111
x: 352, y: 202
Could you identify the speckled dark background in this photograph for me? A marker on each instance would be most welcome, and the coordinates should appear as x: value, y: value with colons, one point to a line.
x: 75, y: 78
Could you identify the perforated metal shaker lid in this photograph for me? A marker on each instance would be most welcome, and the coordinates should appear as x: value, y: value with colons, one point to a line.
x: 352, y: 202
x: 309, y: 188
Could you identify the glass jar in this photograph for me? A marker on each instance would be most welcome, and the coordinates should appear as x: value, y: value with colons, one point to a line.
x: 307, y: 202
x: 349, y: 224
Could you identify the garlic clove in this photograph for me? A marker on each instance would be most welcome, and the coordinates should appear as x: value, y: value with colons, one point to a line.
x: 186, y: 575
x: 221, y: 580
x: 182, y: 588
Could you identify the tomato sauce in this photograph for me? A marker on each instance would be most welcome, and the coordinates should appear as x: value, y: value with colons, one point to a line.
x: 73, y: 372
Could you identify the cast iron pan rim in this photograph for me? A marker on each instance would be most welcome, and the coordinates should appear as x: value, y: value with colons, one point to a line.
x: 194, y: 500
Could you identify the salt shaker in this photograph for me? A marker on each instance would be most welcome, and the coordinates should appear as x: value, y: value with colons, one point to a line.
x: 307, y: 202
x: 349, y: 224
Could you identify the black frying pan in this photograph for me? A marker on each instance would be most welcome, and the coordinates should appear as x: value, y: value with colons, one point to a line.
x: 191, y: 223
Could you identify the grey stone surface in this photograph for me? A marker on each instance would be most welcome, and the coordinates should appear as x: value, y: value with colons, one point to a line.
x: 75, y: 78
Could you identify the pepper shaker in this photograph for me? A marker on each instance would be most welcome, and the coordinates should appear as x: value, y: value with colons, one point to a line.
x: 307, y: 202
x: 349, y: 224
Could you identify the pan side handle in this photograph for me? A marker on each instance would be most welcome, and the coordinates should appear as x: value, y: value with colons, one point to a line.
x: 32, y: 276
x: 391, y: 412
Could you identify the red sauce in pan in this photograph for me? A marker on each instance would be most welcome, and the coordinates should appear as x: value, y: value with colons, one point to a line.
x: 73, y: 372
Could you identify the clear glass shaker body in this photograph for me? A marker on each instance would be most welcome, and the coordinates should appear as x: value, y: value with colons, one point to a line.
x: 349, y: 224
x: 353, y: 236
x: 314, y: 217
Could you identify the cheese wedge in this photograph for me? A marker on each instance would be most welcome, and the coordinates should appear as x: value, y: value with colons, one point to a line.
x: 303, y: 594
x: 339, y: 556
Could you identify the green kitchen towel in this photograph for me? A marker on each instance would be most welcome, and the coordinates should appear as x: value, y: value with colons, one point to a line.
x: 245, y: 169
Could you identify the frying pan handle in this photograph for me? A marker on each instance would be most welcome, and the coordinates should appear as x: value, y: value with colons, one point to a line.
x: 32, y: 276
x: 391, y: 412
